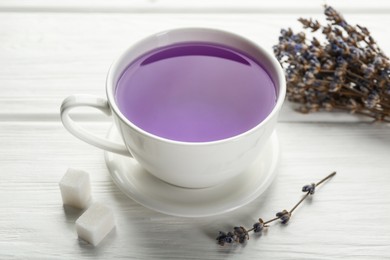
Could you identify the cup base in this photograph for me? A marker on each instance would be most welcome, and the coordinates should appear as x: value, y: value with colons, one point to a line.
x: 155, y: 194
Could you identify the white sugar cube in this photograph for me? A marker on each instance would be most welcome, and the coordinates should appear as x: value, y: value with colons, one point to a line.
x: 75, y: 188
x: 95, y: 223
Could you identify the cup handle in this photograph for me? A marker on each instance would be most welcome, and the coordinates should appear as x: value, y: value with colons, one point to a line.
x: 89, y: 101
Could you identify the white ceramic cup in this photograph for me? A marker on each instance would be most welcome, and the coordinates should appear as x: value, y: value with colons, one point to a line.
x: 186, y: 164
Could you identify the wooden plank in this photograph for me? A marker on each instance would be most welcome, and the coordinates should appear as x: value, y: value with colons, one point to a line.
x: 46, y: 57
x: 48, y: 109
x: 193, y: 6
x: 347, y: 217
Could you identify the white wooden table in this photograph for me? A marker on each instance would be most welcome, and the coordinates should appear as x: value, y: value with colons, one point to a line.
x: 51, y: 49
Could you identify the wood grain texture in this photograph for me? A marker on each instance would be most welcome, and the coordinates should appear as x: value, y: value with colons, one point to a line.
x: 51, y: 49
x: 347, y: 217
x: 192, y: 6
x: 46, y: 57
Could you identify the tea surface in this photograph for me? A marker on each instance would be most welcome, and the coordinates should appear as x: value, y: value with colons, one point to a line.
x: 195, y: 92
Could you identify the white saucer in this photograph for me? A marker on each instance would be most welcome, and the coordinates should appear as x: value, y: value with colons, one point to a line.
x: 158, y: 195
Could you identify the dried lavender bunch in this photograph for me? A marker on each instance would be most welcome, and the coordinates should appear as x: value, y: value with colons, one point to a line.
x: 348, y: 71
x: 241, y: 235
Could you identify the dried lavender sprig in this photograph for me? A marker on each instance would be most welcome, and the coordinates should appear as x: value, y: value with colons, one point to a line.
x: 241, y: 234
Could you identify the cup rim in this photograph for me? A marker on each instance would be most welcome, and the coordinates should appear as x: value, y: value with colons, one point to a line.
x: 274, y: 62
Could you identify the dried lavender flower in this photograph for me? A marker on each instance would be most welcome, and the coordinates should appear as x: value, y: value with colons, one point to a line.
x: 309, y: 188
x: 346, y: 72
x: 241, y: 235
x: 259, y: 226
x: 225, y: 238
x: 284, y: 216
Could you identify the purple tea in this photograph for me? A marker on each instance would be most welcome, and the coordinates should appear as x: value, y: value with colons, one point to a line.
x: 195, y: 92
